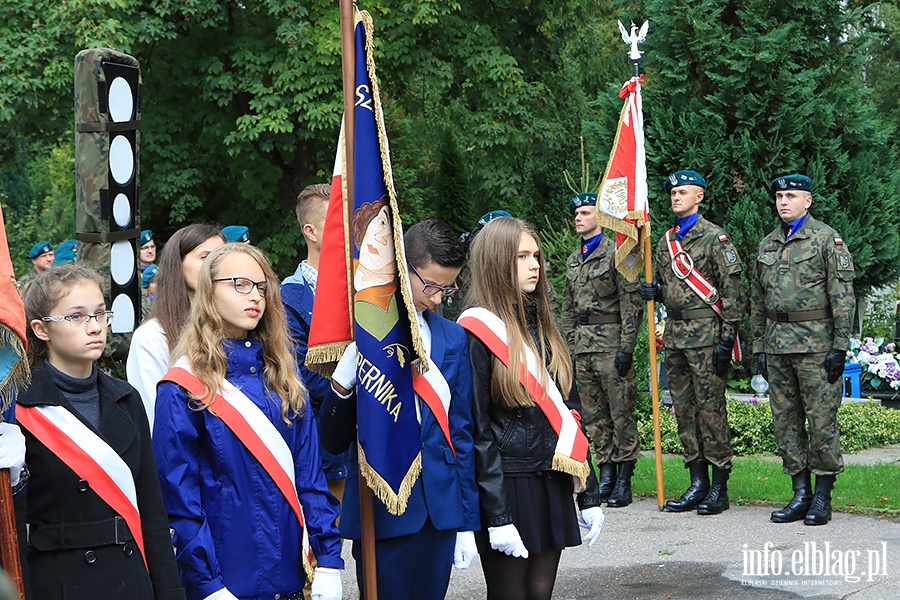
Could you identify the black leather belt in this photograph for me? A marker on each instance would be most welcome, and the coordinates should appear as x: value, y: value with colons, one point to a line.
x: 70, y: 536
x: 607, y: 319
x: 687, y: 315
x: 799, y: 316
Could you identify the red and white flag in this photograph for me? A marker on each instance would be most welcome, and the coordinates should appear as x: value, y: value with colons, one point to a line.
x: 622, y: 199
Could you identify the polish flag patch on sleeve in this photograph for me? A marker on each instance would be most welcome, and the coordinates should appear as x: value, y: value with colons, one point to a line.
x: 838, y: 242
x: 723, y: 238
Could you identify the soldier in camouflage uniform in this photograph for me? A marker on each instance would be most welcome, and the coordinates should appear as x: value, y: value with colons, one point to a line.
x: 699, y: 343
x: 41, y: 255
x: 600, y: 316
x: 802, y: 305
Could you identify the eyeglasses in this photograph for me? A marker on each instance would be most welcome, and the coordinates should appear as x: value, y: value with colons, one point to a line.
x: 103, y: 317
x: 242, y: 285
x: 431, y: 289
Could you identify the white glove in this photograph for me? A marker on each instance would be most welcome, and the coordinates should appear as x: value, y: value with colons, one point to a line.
x: 345, y: 372
x: 222, y: 594
x: 326, y: 584
x: 465, y: 551
x: 12, y: 451
x: 506, y: 539
x: 592, y: 520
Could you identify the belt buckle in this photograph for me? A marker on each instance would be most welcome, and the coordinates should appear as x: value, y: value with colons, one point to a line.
x: 782, y: 317
x: 712, y: 297
x: 121, y: 521
x: 689, y: 263
x: 582, y: 319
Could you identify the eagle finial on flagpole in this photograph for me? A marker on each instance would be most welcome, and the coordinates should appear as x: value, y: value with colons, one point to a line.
x: 634, y: 38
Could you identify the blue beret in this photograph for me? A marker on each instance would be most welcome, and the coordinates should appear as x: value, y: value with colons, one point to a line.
x: 236, y: 233
x: 65, y: 252
x: 582, y: 199
x: 487, y: 217
x: 146, y: 236
x: 791, y: 182
x: 40, y: 248
x: 149, y: 274
x: 680, y: 178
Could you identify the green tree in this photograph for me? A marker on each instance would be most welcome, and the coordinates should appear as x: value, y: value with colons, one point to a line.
x: 745, y: 91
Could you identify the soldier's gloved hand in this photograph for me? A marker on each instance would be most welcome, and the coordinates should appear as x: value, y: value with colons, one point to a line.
x: 722, y: 356
x: 834, y: 364
x: 761, y: 365
x: 623, y: 363
x: 649, y: 291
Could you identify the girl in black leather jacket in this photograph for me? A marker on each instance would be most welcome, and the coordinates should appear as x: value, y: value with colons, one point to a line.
x: 526, y: 471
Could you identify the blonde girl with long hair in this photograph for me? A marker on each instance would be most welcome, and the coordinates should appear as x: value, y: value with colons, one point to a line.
x: 526, y: 474
x: 238, y: 530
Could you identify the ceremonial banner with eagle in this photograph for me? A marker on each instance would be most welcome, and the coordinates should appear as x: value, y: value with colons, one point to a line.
x: 622, y: 199
x: 376, y: 279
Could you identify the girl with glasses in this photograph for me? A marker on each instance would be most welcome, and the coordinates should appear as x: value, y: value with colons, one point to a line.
x: 97, y: 525
x: 237, y: 448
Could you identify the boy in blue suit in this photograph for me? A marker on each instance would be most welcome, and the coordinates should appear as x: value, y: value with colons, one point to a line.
x: 415, y: 551
x: 297, y: 293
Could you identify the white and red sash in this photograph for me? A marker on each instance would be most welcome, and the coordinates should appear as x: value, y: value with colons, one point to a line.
x: 258, y: 435
x: 683, y: 267
x: 90, y: 457
x: 572, y: 445
x: 434, y: 390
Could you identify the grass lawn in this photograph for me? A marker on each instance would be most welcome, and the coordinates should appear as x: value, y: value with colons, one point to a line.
x: 873, y: 490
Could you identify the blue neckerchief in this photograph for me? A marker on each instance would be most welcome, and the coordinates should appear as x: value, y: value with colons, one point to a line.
x: 792, y: 227
x: 684, y: 224
x: 590, y: 245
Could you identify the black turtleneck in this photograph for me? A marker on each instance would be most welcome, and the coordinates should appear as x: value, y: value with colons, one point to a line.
x: 82, y: 394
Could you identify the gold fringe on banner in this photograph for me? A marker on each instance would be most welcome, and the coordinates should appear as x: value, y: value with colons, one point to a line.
x: 395, y: 502
x: 323, y: 358
x: 399, y: 250
x: 19, y: 374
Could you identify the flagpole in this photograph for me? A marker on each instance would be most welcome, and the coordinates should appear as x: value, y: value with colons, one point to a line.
x: 9, y: 547
x: 348, y: 68
x: 651, y: 329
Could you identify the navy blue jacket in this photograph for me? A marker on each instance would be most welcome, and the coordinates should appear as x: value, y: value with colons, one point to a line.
x: 298, y: 303
x: 445, y: 492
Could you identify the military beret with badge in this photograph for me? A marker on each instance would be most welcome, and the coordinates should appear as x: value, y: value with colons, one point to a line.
x: 582, y: 199
x: 40, y: 248
x: 791, y: 182
x: 680, y: 178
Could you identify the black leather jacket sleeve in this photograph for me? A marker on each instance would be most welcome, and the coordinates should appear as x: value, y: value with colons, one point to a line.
x: 488, y: 465
x: 590, y: 497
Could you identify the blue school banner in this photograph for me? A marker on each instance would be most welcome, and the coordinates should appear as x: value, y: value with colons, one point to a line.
x: 385, y: 326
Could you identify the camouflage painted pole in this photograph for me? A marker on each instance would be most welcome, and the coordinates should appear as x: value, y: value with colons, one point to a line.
x: 107, y: 140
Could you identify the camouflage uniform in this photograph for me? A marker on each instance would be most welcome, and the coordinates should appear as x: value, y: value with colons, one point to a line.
x: 595, y: 291
x: 812, y: 271
x: 698, y: 394
x: 24, y: 282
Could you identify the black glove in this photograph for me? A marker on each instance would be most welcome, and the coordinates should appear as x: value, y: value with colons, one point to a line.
x: 834, y: 364
x: 649, y: 291
x: 722, y: 356
x: 623, y: 363
x: 761, y: 365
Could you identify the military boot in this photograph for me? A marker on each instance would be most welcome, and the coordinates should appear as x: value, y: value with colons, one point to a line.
x: 820, y: 509
x: 694, y: 495
x: 799, y: 504
x: 716, y: 501
x: 607, y: 480
x: 621, y: 494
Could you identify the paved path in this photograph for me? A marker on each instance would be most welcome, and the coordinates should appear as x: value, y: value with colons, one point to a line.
x: 646, y: 554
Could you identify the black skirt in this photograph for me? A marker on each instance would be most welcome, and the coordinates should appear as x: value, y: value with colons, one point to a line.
x: 543, y: 508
